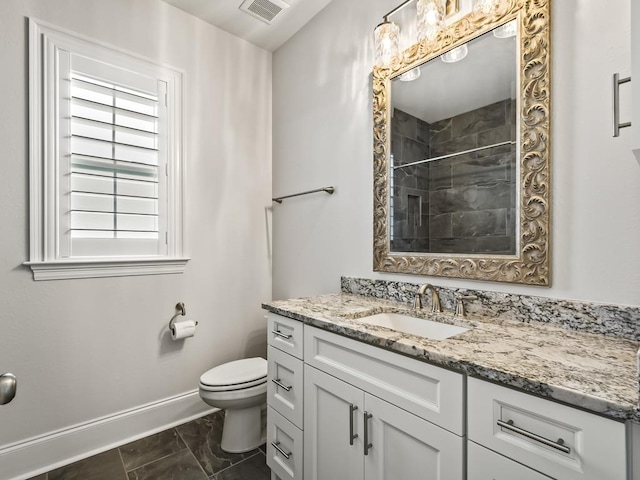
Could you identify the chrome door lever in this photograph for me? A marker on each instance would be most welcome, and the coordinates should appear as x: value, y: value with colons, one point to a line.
x: 8, y: 387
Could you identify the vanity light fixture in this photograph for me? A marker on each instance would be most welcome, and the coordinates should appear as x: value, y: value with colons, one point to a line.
x: 507, y: 30
x: 430, y: 22
x: 455, y: 54
x: 386, y: 42
x: 430, y: 19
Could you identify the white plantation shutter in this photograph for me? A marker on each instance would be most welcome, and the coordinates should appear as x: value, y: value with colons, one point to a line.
x: 106, y: 163
x: 113, y: 175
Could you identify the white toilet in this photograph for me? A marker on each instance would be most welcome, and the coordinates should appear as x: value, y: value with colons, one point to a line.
x: 240, y: 388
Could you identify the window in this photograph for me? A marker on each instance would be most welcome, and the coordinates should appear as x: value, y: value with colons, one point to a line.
x: 106, y: 160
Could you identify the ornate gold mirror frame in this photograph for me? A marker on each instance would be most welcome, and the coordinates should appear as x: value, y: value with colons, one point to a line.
x: 530, y: 265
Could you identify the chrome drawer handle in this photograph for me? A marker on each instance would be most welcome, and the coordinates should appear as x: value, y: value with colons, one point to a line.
x: 367, y: 444
x: 281, y: 385
x: 352, y: 436
x: 559, y: 445
x: 277, y: 446
x: 282, y: 335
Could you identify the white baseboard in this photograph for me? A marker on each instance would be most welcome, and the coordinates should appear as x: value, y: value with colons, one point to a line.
x: 41, y: 454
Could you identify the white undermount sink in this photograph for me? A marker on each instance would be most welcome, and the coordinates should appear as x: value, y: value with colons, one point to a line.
x: 414, y: 326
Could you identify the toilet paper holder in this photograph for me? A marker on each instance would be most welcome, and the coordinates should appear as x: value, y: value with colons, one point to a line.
x: 182, y: 311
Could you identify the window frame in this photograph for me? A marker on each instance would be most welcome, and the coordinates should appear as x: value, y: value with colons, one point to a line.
x: 45, y: 44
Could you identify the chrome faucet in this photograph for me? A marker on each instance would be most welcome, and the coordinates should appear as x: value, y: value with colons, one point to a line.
x: 435, y: 300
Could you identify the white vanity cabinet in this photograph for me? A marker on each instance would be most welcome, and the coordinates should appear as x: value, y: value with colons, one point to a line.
x: 365, y: 412
x: 342, y: 409
x: 558, y: 441
x: 285, y: 398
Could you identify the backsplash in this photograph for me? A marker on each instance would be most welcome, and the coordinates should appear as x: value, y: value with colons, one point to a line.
x: 604, y: 319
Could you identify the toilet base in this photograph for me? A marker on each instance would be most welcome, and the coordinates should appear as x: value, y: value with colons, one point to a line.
x: 243, y: 429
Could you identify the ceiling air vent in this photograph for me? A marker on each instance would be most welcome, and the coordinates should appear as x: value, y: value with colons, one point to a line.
x: 265, y: 10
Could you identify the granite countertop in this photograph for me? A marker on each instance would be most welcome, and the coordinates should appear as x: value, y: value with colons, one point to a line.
x: 589, y: 371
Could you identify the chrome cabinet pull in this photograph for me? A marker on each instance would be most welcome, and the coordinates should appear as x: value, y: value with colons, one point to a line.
x: 558, y: 445
x: 352, y: 436
x: 282, y: 335
x: 617, y: 81
x: 367, y: 444
x: 277, y: 446
x: 281, y: 385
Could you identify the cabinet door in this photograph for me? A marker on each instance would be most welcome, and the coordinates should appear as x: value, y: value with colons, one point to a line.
x: 328, y: 415
x: 483, y: 464
x: 406, y: 447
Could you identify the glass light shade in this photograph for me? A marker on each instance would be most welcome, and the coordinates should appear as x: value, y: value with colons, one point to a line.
x: 410, y: 75
x: 507, y: 30
x: 430, y: 19
x: 485, y: 7
x: 455, y: 55
x: 386, y: 42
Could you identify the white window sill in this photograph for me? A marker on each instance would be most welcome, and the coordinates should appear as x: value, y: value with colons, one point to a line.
x: 97, y: 268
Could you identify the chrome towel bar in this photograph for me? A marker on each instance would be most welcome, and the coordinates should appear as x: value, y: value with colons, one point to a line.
x: 329, y: 190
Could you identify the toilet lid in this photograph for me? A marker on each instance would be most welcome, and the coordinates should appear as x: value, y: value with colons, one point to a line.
x: 238, y: 373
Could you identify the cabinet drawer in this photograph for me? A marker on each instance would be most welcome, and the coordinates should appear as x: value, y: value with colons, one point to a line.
x: 427, y: 391
x: 557, y: 440
x: 284, y: 440
x: 285, y: 385
x: 285, y: 334
x: 483, y: 464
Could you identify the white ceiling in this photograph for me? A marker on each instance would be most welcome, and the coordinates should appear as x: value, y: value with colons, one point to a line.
x: 226, y: 15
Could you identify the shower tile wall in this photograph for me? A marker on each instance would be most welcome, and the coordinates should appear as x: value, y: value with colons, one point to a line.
x: 410, y: 143
x: 468, y: 201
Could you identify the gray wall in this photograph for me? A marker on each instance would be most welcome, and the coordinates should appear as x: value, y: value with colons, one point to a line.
x: 323, y: 126
x: 89, y: 348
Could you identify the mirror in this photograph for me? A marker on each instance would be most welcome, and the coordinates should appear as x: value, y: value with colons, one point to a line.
x: 461, y: 151
x: 452, y: 168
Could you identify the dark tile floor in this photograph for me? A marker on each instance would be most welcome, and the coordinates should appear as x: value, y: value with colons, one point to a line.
x: 188, y: 452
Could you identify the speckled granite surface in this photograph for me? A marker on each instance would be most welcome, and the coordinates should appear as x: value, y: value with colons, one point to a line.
x: 594, y: 372
x: 604, y: 319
